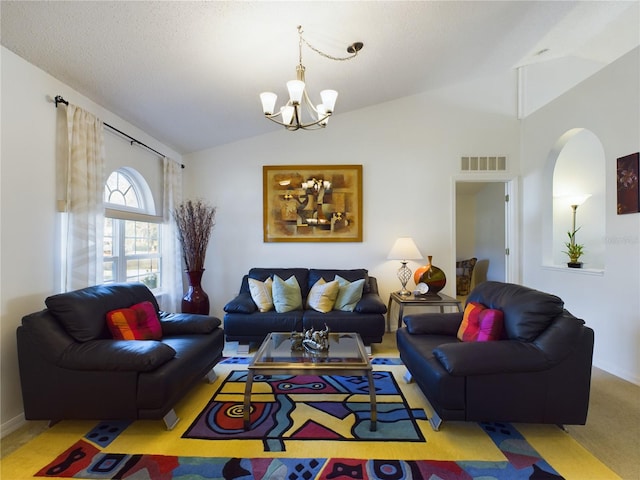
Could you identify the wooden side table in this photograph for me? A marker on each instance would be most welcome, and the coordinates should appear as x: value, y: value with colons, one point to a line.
x: 435, y: 300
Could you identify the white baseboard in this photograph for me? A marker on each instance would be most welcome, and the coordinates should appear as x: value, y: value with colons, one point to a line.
x: 12, y: 425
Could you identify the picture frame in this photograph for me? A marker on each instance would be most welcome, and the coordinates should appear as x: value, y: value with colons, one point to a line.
x: 628, y: 190
x: 312, y: 203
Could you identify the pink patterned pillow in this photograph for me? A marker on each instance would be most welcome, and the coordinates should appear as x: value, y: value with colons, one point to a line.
x: 138, y: 322
x: 481, y: 324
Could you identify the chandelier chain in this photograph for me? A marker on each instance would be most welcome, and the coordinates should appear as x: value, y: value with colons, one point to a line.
x: 319, y: 52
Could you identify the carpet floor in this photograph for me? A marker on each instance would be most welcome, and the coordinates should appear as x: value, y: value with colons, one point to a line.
x: 144, y: 450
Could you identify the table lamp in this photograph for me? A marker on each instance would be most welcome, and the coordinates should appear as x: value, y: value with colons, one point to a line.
x: 404, y: 249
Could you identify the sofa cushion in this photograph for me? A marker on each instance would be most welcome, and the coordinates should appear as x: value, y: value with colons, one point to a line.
x: 349, y: 294
x: 527, y: 312
x: 187, y: 323
x: 301, y: 274
x: 119, y: 355
x: 350, y: 274
x: 286, y: 294
x: 261, y: 293
x: 480, y: 324
x: 83, y: 312
x: 242, y: 303
x: 138, y: 322
x: 322, y: 296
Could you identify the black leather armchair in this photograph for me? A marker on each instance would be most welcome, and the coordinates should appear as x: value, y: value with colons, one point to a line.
x: 540, y: 373
x: 72, y: 368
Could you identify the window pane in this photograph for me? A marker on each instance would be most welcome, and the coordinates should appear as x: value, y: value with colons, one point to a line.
x: 108, y: 272
x: 133, y: 270
x: 143, y: 270
x: 108, y: 240
x: 130, y: 198
x: 119, y: 191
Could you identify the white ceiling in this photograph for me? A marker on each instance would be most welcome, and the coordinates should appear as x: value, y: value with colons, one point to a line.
x: 189, y: 73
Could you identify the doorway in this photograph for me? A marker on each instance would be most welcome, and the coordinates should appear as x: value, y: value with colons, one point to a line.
x: 485, y: 228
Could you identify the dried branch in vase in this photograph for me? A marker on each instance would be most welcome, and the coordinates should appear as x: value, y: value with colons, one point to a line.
x: 194, y: 220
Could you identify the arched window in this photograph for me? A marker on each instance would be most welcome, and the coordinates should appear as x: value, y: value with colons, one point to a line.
x: 131, y: 230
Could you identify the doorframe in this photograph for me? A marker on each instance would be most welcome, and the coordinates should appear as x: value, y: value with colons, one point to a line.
x: 513, y: 260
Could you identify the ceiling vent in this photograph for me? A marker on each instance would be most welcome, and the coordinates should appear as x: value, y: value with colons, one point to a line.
x: 483, y: 164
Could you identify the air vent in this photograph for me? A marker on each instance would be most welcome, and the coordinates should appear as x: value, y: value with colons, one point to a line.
x: 483, y: 164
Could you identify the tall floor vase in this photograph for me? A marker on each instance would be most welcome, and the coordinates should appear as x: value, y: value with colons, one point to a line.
x: 196, y: 299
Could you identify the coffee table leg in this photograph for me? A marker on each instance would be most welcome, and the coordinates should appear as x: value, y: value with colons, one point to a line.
x: 246, y: 412
x: 374, y: 409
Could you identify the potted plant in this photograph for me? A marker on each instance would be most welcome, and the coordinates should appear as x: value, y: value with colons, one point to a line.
x: 194, y: 221
x: 574, y: 250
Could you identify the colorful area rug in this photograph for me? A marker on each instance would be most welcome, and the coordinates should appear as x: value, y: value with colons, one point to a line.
x: 313, y: 428
x: 85, y: 460
x: 309, y: 407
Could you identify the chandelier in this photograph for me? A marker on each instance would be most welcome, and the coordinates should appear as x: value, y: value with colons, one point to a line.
x: 300, y: 112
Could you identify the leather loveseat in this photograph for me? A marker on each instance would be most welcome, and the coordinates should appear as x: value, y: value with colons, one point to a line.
x: 538, y: 372
x: 244, y: 323
x: 71, y: 367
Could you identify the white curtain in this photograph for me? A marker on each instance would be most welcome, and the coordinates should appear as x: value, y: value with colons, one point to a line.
x: 171, y: 251
x: 84, y: 203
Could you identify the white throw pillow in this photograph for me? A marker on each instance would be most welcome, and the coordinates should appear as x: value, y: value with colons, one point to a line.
x: 322, y: 295
x: 261, y: 294
x: 286, y: 294
x: 349, y: 294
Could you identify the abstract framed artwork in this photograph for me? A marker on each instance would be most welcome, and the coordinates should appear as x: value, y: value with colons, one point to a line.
x: 312, y: 203
x: 627, y: 171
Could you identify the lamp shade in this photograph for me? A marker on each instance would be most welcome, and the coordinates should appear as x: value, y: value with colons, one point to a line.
x: 296, y: 89
x: 268, y: 100
x: 329, y: 98
x: 287, y: 114
x: 578, y: 200
x: 404, y: 249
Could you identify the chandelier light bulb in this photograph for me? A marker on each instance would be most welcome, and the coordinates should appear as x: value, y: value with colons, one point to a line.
x: 287, y: 114
x: 296, y: 89
x: 322, y: 113
x: 268, y: 100
x: 329, y: 99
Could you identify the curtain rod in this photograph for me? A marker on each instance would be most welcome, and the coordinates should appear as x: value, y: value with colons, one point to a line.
x: 59, y: 99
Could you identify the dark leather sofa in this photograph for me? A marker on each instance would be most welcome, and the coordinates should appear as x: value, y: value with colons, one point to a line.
x: 245, y: 324
x: 72, y: 368
x: 539, y: 373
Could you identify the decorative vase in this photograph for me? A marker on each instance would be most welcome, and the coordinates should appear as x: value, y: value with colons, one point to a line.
x: 433, y: 276
x: 196, y: 299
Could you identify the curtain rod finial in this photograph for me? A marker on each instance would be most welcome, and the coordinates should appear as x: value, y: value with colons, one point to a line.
x: 58, y: 99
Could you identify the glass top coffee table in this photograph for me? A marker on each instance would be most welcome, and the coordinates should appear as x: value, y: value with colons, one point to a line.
x: 346, y: 356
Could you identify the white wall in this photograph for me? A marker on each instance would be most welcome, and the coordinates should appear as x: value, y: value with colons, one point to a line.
x: 410, y: 149
x: 607, y: 104
x: 29, y: 238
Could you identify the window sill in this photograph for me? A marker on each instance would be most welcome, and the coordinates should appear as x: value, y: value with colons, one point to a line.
x: 582, y: 271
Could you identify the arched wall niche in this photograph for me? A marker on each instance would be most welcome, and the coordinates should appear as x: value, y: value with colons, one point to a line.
x: 577, y: 167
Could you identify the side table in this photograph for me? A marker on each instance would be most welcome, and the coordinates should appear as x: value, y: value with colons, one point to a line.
x: 434, y: 300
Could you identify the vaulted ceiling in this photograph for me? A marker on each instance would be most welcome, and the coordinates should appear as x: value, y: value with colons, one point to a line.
x: 189, y: 73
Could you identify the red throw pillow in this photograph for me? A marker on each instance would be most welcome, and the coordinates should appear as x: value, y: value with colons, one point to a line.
x: 138, y: 322
x: 481, y: 324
